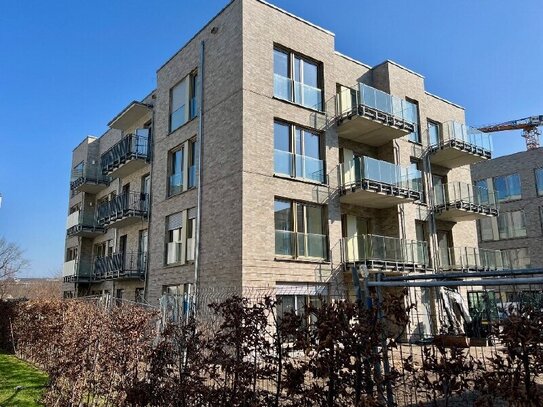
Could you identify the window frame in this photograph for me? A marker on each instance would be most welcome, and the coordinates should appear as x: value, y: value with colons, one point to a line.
x: 508, y: 190
x: 190, y: 82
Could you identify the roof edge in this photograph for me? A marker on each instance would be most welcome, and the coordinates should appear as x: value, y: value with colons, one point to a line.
x: 348, y: 58
x: 296, y: 17
x: 400, y: 66
x: 444, y: 100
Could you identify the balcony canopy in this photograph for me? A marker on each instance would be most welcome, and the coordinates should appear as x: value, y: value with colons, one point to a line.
x: 130, y: 115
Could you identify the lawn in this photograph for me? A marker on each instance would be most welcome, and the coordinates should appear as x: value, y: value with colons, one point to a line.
x: 13, y: 373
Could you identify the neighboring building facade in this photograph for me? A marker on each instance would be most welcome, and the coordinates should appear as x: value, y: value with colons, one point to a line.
x: 517, y: 181
x: 275, y: 161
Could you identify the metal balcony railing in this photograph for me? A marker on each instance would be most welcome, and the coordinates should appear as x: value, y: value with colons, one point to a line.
x: 131, y: 147
x: 378, y: 251
x: 471, y: 258
x: 296, y: 244
x: 120, y: 265
x: 465, y: 196
x: 369, y: 173
x: 87, y: 174
x: 459, y: 135
x: 128, y: 204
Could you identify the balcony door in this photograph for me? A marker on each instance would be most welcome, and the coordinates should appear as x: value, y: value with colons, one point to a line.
x: 142, y: 249
x: 444, y: 244
x: 122, y: 250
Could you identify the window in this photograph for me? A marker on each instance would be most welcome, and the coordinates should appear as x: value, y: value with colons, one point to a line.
x: 297, y: 304
x: 139, y: 295
x: 191, y: 234
x: 71, y: 254
x: 183, y: 101
x: 299, y: 229
x: 174, y: 225
x: 434, y: 133
x: 539, y: 181
x: 511, y: 225
x: 298, y: 153
x: 297, y: 79
x: 486, y: 229
x: 415, y: 178
x: 176, y: 172
x: 192, y: 163
x: 412, y: 115
x: 516, y: 258
x: 172, y: 289
x: 507, y: 187
x: 482, y: 187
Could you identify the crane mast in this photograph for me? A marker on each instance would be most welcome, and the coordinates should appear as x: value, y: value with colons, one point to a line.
x: 528, y: 125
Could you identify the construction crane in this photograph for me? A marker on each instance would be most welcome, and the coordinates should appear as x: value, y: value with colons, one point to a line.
x: 528, y: 125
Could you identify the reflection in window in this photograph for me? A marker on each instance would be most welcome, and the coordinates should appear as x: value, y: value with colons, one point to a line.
x: 507, y: 187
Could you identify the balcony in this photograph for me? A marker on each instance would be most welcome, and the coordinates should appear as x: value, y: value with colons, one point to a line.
x: 123, y: 210
x: 457, y: 145
x: 300, y: 245
x: 370, y: 116
x: 373, y: 183
x: 386, y: 253
x: 457, y: 202
x: 76, y: 271
x: 297, y: 92
x: 88, y: 178
x: 128, y: 155
x: 299, y: 166
x: 81, y: 223
x: 470, y: 259
x: 120, y: 266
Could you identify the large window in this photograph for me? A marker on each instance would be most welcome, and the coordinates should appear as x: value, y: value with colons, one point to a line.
x: 516, y: 258
x: 434, y: 133
x: 511, y: 225
x: 191, y: 234
x: 192, y: 163
x: 183, y: 101
x: 539, y: 181
x: 298, y: 153
x: 299, y: 229
x: 174, y: 225
x: 297, y: 304
x: 175, y: 175
x: 297, y: 79
x: 507, y: 187
x: 412, y: 114
x: 508, y: 225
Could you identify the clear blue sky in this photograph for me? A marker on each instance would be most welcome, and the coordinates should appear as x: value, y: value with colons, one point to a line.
x: 68, y: 67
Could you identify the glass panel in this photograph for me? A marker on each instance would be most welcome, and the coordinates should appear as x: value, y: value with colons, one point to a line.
x: 539, y: 180
x: 314, y: 219
x: 178, y: 99
x: 284, y: 242
x: 283, y: 215
x: 282, y: 87
x: 310, y: 74
x: 281, y: 136
x: 283, y: 162
x: 433, y: 133
x: 311, y: 145
x: 280, y: 63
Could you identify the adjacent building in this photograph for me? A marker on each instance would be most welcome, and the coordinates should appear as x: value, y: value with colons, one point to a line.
x: 265, y: 158
x: 517, y: 182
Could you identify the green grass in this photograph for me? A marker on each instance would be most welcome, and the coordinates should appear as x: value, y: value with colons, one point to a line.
x: 13, y: 373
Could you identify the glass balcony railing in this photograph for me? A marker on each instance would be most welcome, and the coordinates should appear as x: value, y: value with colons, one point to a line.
x: 383, y: 248
x: 175, y: 184
x: 454, y: 133
x: 296, y: 244
x: 299, y: 166
x: 128, y: 204
x: 120, y: 265
x: 349, y: 99
x: 297, y: 92
x: 87, y: 174
x: 132, y: 146
x: 470, y: 258
x: 75, y: 269
x: 82, y: 220
x: 456, y: 193
x: 370, y: 169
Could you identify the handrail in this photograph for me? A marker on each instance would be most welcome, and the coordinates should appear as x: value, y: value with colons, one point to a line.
x: 131, y: 146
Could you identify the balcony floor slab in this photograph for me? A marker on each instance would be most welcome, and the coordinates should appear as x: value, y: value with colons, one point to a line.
x: 462, y: 212
x: 127, y: 167
x: 450, y: 156
x: 377, y: 196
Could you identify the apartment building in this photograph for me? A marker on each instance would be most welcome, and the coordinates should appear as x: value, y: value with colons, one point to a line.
x: 272, y: 160
x: 517, y: 182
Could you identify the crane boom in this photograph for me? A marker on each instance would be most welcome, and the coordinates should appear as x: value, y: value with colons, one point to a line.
x: 528, y: 125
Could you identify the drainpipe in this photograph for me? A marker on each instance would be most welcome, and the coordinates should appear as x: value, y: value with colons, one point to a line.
x: 200, y: 145
x: 396, y: 149
x: 151, y: 152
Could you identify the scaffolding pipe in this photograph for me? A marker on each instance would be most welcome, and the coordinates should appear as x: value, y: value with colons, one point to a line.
x: 493, y: 282
x: 497, y: 273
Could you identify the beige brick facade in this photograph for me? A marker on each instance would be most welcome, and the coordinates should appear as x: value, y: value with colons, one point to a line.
x: 238, y: 184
